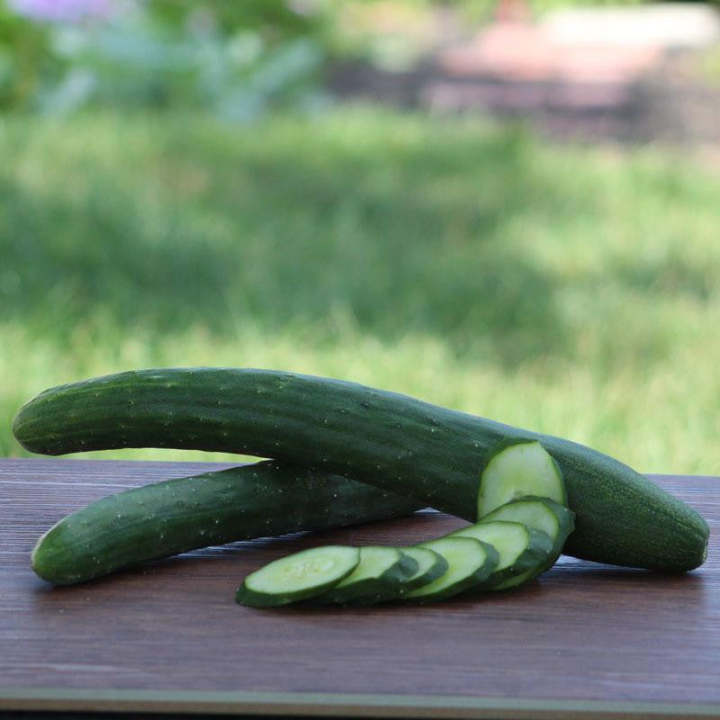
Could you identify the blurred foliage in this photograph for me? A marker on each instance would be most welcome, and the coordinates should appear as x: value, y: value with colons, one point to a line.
x: 26, y: 58
x: 569, y: 290
x: 709, y: 65
x: 235, y: 58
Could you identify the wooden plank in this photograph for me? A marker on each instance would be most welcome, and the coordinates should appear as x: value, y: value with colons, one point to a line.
x: 586, y: 640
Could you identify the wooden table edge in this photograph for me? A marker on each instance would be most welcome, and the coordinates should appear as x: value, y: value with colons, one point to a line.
x: 335, y: 705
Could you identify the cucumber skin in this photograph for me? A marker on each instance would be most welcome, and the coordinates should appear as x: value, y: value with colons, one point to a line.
x: 374, y: 436
x: 167, y: 518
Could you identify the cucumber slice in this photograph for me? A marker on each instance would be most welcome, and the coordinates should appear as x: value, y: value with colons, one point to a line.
x: 298, y: 576
x: 377, y: 577
x: 516, y: 470
x: 518, y: 579
x: 431, y: 565
x: 470, y: 563
x: 520, y: 549
x: 555, y: 520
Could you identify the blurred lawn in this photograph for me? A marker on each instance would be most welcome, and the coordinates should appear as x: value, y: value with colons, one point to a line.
x: 571, y: 291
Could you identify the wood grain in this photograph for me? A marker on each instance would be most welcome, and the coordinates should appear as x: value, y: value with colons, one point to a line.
x: 586, y: 640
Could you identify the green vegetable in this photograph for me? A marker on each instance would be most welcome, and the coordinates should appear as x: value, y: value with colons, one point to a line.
x: 378, y: 577
x: 525, y: 470
x: 521, y: 550
x: 431, y: 565
x: 543, y: 514
x: 299, y: 576
x: 470, y: 563
x: 516, y: 469
x: 171, y: 517
x: 382, y: 438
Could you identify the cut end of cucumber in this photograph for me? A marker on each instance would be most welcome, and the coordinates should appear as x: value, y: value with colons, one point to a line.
x: 298, y: 576
x: 523, y: 468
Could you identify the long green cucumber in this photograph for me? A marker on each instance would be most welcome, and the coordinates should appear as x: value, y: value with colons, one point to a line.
x: 379, y: 437
x: 166, y: 518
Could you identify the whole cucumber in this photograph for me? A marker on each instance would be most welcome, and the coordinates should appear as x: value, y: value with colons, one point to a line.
x: 166, y: 518
x: 396, y: 442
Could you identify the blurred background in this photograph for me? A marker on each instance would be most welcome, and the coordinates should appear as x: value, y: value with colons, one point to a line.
x: 508, y: 207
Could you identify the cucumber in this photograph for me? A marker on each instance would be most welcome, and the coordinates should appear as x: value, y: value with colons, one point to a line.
x: 520, y: 578
x: 171, y: 517
x: 516, y: 469
x: 521, y: 550
x: 299, y: 576
x: 378, y: 577
x: 470, y: 563
x: 543, y: 514
x: 382, y: 438
x: 431, y: 565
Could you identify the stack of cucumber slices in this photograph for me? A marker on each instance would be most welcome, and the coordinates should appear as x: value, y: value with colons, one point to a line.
x: 343, y: 453
x: 523, y: 527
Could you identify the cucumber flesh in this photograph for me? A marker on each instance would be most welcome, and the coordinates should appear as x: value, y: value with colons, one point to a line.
x: 543, y: 514
x: 470, y: 563
x: 377, y: 577
x: 298, y: 576
x: 518, y: 469
x: 520, y: 549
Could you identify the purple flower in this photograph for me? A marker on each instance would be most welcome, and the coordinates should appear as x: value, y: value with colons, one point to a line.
x: 62, y: 10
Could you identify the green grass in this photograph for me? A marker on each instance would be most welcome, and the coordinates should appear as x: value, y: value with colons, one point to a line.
x: 567, y: 290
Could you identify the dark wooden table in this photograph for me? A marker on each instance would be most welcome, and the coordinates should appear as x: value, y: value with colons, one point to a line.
x: 584, y: 641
